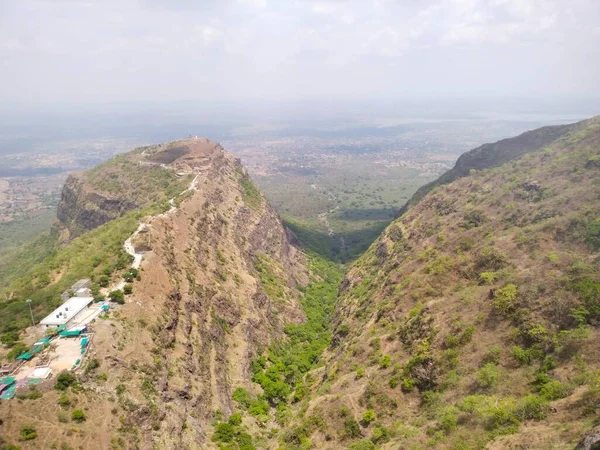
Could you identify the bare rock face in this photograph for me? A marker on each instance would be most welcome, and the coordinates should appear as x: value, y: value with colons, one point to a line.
x: 81, y: 210
x: 590, y: 441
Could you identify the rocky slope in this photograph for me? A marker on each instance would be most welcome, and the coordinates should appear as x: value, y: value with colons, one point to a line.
x: 472, y: 321
x: 492, y: 155
x: 218, y: 282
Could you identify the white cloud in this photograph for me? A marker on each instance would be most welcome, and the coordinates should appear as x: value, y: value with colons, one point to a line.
x: 297, y: 49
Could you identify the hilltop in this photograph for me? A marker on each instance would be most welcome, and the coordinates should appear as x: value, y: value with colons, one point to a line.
x: 219, y: 281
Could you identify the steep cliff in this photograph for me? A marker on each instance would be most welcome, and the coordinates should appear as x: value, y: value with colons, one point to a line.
x: 125, y: 183
x: 219, y: 281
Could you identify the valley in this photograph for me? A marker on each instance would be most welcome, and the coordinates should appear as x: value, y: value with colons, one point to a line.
x: 468, y: 322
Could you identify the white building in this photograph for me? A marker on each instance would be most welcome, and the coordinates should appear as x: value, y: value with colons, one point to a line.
x: 65, y: 313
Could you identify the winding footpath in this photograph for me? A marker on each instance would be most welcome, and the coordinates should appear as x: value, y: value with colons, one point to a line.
x: 128, y: 244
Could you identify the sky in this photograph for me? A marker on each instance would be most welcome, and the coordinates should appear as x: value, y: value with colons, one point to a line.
x: 98, y: 52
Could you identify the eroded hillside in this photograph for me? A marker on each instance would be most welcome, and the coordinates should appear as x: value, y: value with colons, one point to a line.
x: 218, y: 282
x: 472, y: 321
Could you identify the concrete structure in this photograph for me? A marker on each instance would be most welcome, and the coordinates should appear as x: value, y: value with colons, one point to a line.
x: 83, y: 292
x: 67, y: 313
x: 81, y: 284
x: 41, y: 372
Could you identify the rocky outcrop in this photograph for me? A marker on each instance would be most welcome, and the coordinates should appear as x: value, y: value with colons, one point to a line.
x: 81, y: 209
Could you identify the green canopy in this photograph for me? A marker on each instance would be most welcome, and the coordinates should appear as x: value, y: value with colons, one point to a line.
x: 61, y: 328
x: 26, y: 356
x: 7, y: 380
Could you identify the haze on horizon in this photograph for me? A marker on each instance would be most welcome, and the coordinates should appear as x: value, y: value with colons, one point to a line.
x: 134, y: 51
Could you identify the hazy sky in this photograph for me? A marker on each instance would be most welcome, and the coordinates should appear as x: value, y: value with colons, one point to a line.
x: 139, y: 50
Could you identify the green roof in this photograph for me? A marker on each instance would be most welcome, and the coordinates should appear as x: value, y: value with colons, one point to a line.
x: 71, y: 333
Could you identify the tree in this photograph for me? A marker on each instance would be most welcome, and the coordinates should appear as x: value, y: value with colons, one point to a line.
x: 117, y: 296
x: 64, y: 381
x: 9, y: 338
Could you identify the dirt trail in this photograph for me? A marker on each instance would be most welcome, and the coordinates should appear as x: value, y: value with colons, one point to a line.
x: 128, y: 244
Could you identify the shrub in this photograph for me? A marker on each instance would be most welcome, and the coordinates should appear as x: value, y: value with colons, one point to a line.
x: 488, y: 375
x: 235, y: 419
x: 78, y: 416
x: 368, y: 417
x: 128, y: 289
x: 365, y: 444
x: 385, y: 362
x: 554, y: 390
x: 351, y: 428
x: 408, y: 384
x: 380, y: 434
x: 242, y: 397
x: 93, y: 364
x: 64, y: 381
x: 103, y: 281
x: 473, y: 219
x: 28, y: 432
x: 448, y: 418
x: 360, y: 372
x: 224, y: 432
x: 522, y: 356
x: 532, y: 407
x: 593, y: 234
x: 505, y: 298
x: 488, y: 277
x: 492, y: 355
x: 64, y: 400
x: 117, y: 296
x: 9, y: 338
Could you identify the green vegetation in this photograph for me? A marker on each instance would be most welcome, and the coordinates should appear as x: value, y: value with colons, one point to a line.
x: 280, y: 372
x: 250, y: 193
x: 13, y: 234
x: 28, y: 433
x: 78, y: 416
x: 485, y: 299
x: 46, y: 269
x: 269, y: 273
x: 342, y: 247
x: 232, y: 434
x: 145, y: 185
x: 368, y: 417
x: 117, y: 296
x: 64, y: 381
